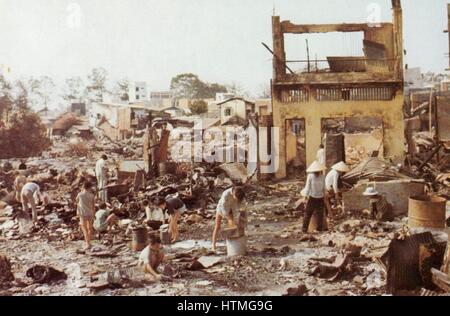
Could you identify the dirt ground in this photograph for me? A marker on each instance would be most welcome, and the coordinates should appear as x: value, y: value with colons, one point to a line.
x: 279, y: 257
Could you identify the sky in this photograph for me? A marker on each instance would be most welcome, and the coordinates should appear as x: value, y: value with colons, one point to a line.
x: 220, y: 40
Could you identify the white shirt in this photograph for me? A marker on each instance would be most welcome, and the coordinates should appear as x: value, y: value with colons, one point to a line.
x: 154, y: 214
x: 331, y: 181
x: 100, y: 168
x: 315, y: 186
x: 321, y: 156
x: 227, y: 203
x: 32, y: 187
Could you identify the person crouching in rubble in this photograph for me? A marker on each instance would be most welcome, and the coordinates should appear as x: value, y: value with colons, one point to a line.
x: 154, y: 216
x: 228, y: 205
x: 30, y: 191
x: 380, y: 209
x: 332, y: 185
x: 104, y: 220
x: 315, y: 195
x: 86, y: 211
x: 174, y: 207
x: 152, y: 257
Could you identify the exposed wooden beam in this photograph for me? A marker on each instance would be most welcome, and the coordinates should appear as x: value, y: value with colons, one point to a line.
x: 288, y: 27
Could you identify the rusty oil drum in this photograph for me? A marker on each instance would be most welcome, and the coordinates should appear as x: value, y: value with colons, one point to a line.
x: 140, y: 239
x: 166, y: 168
x: 426, y: 211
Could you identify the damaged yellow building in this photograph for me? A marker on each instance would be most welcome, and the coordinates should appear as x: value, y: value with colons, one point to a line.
x: 365, y: 86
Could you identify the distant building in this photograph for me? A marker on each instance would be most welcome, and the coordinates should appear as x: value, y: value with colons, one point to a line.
x: 236, y: 109
x: 220, y: 97
x: 119, y: 120
x: 414, y: 79
x: 138, y: 92
x: 263, y: 107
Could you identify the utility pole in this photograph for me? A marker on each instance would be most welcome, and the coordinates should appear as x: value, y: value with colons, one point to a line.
x: 307, y: 53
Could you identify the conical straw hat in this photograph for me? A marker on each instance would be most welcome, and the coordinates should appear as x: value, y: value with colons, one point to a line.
x: 341, y: 167
x: 316, y: 167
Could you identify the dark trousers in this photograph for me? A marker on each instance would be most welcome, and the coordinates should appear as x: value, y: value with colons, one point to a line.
x: 314, y: 205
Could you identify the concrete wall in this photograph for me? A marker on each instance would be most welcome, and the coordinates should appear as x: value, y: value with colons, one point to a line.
x: 313, y: 111
x: 397, y: 193
x: 360, y: 146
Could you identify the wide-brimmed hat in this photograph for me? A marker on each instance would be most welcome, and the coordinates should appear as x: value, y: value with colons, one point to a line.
x: 341, y: 167
x: 316, y: 167
x: 370, y: 191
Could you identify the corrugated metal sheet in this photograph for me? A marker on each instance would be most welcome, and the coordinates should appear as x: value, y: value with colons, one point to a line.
x: 402, y: 262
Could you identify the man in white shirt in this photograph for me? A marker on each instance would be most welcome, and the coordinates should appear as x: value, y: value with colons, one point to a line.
x: 315, y: 193
x: 101, y: 173
x: 332, y: 184
x: 29, y: 192
x: 320, y: 157
x: 227, y: 207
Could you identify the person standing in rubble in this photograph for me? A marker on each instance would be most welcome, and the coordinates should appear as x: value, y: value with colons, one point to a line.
x: 320, y: 157
x: 151, y: 144
x: 315, y: 194
x: 19, y: 182
x: 101, y: 173
x: 228, y: 205
x: 332, y: 185
x: 86, y: 211
x: 30, y: 193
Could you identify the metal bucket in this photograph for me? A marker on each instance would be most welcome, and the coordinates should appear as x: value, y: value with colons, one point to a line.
x: 426, y: 211
x: 140, y: 239
x: 237, y: 247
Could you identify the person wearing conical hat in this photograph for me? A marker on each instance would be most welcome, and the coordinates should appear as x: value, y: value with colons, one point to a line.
x: 332, y: 181
x: 315, y: 193
x: 380, y: 208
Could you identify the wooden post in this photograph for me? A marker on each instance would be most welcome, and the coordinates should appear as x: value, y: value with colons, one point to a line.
x: 430, y: 108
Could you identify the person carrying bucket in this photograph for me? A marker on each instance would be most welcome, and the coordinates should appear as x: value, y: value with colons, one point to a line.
x: 227, y: 207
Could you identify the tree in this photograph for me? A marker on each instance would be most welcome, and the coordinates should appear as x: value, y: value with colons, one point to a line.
x: 190, y: 86
x: 21, y: 96
x: 236, y: 89
x: 96, y: 87
x: 265, y: 92
x: 23, y: 134
x: 121, y: 89
x: 40, y: 91
x: 73, y: 90
x: 6, y: 101
x: 198, y: 107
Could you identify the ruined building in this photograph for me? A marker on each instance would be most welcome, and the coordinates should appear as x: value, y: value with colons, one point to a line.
x: 363, y: 86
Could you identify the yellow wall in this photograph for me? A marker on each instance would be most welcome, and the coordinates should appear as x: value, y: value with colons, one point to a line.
x: 313, y: 112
